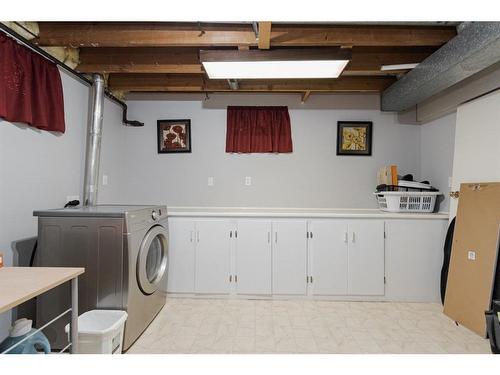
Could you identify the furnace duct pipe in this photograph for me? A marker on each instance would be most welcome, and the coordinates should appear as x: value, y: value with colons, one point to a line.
x: 93, y: 153
x: 476, y: 47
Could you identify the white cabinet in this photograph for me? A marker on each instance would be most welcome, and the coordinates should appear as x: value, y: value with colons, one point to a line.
x: 347, y: 257
x: 328, y: 247
x: 414, y: 252
x: 212, y: 261
x: 199, y: 256
x: 289, y: 257
x: 253, y: 257
x: 338, y: 256
x: 181, y: 256
x: 365, y: 257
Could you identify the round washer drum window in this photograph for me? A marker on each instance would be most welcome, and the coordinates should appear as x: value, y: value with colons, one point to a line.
x: 153, y: 259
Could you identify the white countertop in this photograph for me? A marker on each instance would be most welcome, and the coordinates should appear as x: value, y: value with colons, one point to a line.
x: 296, y: 212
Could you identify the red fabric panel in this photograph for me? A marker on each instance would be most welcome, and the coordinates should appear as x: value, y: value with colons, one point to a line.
x: 30, y: 88
x: 258, y: 129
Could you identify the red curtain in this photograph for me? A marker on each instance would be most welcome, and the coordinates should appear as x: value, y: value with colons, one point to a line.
x: 30, y: 87
x: 258, y: 129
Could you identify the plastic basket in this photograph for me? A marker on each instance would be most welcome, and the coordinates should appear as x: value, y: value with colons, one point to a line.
x: 401, y: 201
x: 101, y: 331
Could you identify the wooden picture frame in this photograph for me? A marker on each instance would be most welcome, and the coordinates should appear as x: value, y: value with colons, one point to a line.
x: 354, y: 138
x: 174, y: 136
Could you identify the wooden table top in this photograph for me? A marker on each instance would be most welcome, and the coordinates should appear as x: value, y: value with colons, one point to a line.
x: 19, y: 284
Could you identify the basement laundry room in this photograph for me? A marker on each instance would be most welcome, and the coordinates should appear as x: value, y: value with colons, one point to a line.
x: 230, y: 186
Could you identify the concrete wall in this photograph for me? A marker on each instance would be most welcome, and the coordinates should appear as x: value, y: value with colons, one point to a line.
x: 437, y: 139
x: 312, y: 176
x: 40, y: 169
x: 477, y: 143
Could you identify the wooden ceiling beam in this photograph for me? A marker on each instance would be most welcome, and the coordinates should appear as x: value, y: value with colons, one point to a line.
x: 135, y: 34
x: 264, y: 35
x: 196, y: 83
x: 364, y: 61
x: 139, y: 60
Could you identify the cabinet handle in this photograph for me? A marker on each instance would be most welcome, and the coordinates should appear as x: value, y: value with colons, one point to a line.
x: 230, y: 278
x: 275, y: 237
x: 191, y: 236
x: 353, y: 237
x: 197, y: 236
x: 268, y: 237
x: 231, y: 234
x: 345, y: 237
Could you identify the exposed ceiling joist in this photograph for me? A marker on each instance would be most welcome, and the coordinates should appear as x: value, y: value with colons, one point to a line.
x: 140, y: 60
x: 475, y: 48
x: 196, y: 83
x: 133, y: 34
x: 264, y: 35
x: 364, y: 61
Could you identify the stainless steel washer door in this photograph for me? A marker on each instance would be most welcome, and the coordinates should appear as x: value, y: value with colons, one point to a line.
x: 152, y: 260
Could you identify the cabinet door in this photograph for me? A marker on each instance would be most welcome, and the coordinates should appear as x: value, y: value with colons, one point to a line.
x: 181, y: 256
x: 213, y: 248
x: 366, y: 257
x: 414, y: 251
x: 289, y: 257
x: 328, y: 244
x: 253, y: 257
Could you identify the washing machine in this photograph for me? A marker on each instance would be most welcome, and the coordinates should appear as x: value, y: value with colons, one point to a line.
x: 124, y: 250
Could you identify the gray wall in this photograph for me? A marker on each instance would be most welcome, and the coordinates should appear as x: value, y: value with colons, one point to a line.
x: 312, y: 176
x: 40, y: 169
x: 437, y: 143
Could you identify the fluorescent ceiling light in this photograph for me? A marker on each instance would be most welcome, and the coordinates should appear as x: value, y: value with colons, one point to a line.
x: 274, y: 69
x: 275, y: 64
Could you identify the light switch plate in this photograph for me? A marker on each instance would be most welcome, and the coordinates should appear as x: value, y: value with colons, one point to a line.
x: 104, y: 179
x: 211, y: 181
x: 248, y: 181
x: 471, y: 255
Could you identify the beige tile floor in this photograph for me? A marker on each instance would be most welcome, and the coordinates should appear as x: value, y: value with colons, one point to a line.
x: 304, y: 326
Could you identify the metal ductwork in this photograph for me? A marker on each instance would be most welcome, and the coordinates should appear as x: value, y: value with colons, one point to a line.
x: 92, y: 158
x: 476, y: 47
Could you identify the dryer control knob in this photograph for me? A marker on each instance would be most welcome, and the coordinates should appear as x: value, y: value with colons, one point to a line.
x: 154, y: 215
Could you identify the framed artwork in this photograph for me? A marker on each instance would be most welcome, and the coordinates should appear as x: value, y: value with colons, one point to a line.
x: 354, y: 138
x: 174, y: 136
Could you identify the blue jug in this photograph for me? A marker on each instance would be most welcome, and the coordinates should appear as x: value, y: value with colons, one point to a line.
x: 21, y: 329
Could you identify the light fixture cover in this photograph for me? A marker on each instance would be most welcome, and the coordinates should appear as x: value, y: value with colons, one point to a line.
x: 276, y: 64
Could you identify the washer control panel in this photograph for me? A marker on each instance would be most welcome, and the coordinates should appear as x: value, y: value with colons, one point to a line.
x: 146, y: 217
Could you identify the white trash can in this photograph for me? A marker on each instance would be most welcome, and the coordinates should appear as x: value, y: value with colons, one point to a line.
x: 100, y: 331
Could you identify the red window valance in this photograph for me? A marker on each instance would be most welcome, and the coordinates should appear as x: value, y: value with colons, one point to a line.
x: 30, y: 87
x: 258, y: 129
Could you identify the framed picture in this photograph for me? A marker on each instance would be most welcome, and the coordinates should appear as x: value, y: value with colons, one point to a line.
x: 354, y: 138
x: 174, y: 136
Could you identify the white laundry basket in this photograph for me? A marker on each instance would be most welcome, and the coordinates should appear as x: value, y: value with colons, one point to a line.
x: 406, y: 201
x: 100, y: 331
